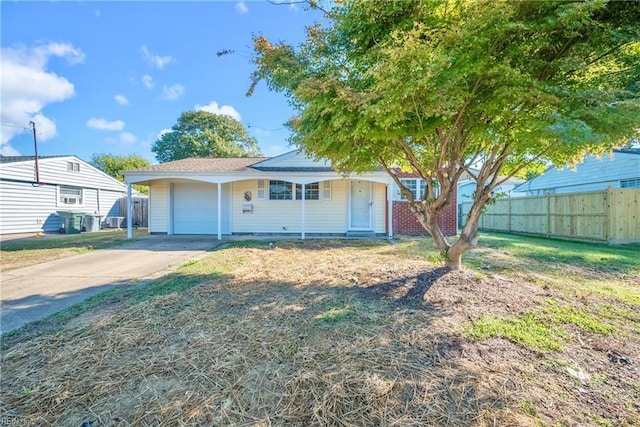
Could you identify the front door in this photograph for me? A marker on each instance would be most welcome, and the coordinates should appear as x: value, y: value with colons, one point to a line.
x: 360, y: 206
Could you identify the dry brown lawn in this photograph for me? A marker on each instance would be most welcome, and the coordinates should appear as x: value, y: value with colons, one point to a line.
x: 342, y: 333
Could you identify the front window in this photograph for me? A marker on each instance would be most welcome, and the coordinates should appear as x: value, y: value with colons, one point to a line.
x: 311, y: 191
x: 70, y: 196
x: 416, y: 186
x: 280, y: 190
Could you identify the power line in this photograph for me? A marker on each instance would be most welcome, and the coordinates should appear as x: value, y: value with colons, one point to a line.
x: 268, y: 130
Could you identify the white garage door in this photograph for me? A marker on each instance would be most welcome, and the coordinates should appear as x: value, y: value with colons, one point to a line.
x: 195, y: 209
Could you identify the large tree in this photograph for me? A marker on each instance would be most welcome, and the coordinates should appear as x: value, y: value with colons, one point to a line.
x: 204, y: 134
x: 113, y: 165
x: 439, y: 86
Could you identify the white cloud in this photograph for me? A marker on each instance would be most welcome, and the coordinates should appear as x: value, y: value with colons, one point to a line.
x: 128, y: 138
x: 27, y: 86
x: 172, y: 92
x: 225, y: 110
x: 121, y: 99
x: 8, y: 150
x: 124, y: 138
x: 147, y: 81
x: 102, y: 124
x: 156, y: 60
x: 241, y: 7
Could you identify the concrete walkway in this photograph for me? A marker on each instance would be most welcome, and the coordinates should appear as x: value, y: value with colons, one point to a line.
x: 33, y: 293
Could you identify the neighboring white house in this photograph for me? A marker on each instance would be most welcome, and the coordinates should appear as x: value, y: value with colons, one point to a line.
x: 621, y: 169
x: 30, y: 197
x: 287, y: 194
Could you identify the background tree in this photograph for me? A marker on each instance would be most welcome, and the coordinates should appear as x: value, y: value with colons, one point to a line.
x: 204, y: 134
x: 439, y: 86
x: 113, y: 165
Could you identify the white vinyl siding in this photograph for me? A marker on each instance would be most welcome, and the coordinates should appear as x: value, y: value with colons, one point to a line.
x: 285, y: 216
x: 158, y: 207
x: 592, y: 175
x: 25, y: 208
x: 379, y: 207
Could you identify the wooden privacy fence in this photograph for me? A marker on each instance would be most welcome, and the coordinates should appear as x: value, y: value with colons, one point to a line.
x: 140, y: 215
x: 611, y: 216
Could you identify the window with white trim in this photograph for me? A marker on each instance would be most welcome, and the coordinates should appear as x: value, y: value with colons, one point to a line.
x: 630, y: 183
x: 70, y: 196
x: 311, y: 191
x: 416, y: 186
x: 280, y: 190
x: 73, y: 167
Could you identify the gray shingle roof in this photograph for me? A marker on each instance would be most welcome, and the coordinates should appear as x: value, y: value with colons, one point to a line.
x: 232, y: 164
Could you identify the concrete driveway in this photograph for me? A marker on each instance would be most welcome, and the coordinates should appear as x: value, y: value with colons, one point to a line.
x: 33, y: 293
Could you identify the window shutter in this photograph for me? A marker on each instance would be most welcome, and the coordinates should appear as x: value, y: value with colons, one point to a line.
x: 326, y: 190
x: 261, y: 192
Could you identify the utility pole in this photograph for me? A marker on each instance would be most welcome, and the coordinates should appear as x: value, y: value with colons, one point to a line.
x: 35, y: 149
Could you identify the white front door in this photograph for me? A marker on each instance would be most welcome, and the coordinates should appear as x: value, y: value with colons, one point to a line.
x: 360, y: 205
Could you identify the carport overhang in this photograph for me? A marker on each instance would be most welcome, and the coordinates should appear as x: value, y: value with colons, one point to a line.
x: 295, y: 177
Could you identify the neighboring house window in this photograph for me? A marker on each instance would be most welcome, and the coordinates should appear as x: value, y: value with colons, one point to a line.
x: 416, y: 186
x: 630, y: 183
x: 73, y: 166
x: 311, y: 191
x: 280, y: 190
x: 70, y: 196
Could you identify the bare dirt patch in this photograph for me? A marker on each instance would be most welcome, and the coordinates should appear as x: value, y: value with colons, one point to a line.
x: 329, y: 333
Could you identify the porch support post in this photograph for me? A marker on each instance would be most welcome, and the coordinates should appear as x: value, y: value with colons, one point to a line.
x: 129, y: 213
x: 303, y: 210
x: 219, y: 211
x: 390, y: 210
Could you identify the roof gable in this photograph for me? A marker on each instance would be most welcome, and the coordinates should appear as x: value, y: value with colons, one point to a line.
x: 293, y: 161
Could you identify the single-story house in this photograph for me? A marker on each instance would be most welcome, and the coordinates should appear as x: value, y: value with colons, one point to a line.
x: 620, y: 169
x: 287, y: 194
x: 32, y: 192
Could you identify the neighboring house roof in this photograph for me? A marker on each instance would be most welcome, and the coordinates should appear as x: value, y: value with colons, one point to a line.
x: 16, y: 159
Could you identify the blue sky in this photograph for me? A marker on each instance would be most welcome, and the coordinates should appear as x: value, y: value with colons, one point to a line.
x: 109, y: 77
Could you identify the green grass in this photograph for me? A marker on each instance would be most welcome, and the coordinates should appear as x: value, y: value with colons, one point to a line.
x: 35, y: 250
x: 540, y: 329
x: 104, y: 239
x: 526, y: 331
x: 624, y: 258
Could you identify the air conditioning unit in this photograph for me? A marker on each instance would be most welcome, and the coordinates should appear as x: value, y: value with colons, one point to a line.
x: 71, y: 200
x: 116, y: 221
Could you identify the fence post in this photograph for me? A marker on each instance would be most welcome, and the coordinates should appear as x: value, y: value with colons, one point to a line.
x: 548, y: 215
x: 608, y: 217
